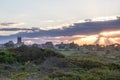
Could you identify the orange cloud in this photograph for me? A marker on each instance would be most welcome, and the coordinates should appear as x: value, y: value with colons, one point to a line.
x: 104, y: 38
x: 110, y: 33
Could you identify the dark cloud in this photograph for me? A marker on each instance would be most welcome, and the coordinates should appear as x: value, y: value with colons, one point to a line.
x: 87, y: 28
x: 17, y: 29
x: 11, y: 24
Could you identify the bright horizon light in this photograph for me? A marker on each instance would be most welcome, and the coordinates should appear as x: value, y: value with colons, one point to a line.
x: 103, y: 38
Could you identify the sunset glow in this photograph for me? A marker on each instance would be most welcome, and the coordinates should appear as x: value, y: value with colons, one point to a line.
x: 110, y: 34
x: 104, y: 38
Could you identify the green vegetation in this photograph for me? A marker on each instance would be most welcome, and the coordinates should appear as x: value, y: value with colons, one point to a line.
x: 7, y: 57
x: 87, y: 70
x: 33, y: 63
x: 33, y: 53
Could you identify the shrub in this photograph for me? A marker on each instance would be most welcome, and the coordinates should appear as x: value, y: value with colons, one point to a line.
x: 103, y: 74
x: 86, y: 63
x: 114, y: 66
x: 7, y: 57
x: 20, y: 76
x: 64, y: 76
x: 34, y: 53
x: 51, y: 53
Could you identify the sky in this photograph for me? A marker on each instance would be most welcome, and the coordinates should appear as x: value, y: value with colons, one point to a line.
x: 44, y: 18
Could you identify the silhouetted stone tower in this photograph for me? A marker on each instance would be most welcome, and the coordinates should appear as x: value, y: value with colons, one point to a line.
x: 19, y: 40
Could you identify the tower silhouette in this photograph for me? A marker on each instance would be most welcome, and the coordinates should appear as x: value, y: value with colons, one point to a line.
x: 19, y: 40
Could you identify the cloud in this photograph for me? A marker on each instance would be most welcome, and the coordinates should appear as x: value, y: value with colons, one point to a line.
x: 13, y: 31
x: 11, y: 24
x: 48, y: 21
x: 16, y: 29
x: 87, y: 28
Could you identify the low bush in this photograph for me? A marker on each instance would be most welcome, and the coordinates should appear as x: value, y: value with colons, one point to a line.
x: 86, y: 63
x: 7, y: 57
x: 64, y: 76
x: 34, y: 53
x: 101, y: 74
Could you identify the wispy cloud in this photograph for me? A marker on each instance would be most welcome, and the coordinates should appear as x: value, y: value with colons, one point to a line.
x: 13, y: 31
x: 11, y: 24
x: 16, y: 29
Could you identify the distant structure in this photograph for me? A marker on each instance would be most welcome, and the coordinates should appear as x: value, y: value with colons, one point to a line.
x: 19, y: 41
x: 9, y: 44
x: 69, y: 46
x: 48, y: 45
x: 61, y: 46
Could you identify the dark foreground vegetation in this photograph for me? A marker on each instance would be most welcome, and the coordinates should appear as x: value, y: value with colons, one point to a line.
x: 33, y: 63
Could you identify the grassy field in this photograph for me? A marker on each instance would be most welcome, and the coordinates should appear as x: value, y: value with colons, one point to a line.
x: 97, y: 55
x: 75, y: 65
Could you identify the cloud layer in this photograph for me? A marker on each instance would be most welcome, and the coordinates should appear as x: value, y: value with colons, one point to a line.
x: 16, y: 29
x: 11, y: 24
x: 87, y: 28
